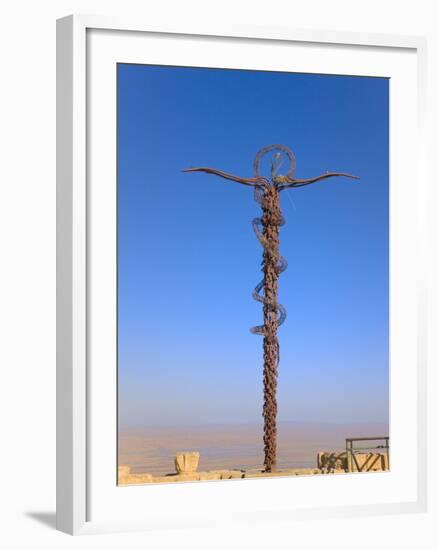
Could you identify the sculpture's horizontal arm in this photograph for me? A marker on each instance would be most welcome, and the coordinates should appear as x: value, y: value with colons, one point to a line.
x: 286, y: 182
x: 253, y: 182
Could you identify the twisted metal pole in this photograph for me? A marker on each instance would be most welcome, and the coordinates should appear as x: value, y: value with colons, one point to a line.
x: 267, y: 229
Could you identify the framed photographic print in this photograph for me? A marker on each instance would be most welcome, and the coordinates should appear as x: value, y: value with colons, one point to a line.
x: 241, y: 290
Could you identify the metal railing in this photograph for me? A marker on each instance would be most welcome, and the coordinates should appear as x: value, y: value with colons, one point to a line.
x: 352, y: 451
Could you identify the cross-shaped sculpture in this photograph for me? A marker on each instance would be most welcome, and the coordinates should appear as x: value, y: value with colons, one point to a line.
x: 267, y: 229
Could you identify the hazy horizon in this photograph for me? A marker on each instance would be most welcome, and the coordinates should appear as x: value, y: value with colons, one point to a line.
x: 151, y: 449
x: 134, y: 426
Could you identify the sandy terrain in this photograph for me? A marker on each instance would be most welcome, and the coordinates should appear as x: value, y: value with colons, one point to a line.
x: 152, y: 449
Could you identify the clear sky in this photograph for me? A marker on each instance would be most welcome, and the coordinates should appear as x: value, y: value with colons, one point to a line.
x: 188, y: 258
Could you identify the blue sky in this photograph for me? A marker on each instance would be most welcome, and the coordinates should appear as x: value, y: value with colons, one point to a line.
x: 188, y: 258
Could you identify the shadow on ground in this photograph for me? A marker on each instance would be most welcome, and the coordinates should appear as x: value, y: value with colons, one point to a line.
x: 45, y: 518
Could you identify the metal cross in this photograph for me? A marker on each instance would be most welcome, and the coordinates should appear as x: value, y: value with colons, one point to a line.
x: 267, y: 228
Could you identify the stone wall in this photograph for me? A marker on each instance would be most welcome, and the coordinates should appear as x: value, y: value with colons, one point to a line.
x: 126, y: 478
x: 186, y: 465
x: 361, y: 462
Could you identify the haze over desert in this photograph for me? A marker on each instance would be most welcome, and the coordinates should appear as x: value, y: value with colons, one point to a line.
x: 152, y: 449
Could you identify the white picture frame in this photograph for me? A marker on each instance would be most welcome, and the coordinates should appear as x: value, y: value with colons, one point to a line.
x: 76, y: 395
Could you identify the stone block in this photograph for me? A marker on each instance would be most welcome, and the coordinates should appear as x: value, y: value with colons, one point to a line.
x: 370, y: 462
x: 231, y: 474
x: 209, y: 476
x: 332, y: 461
x: 188, y: 476
x: 141, y: 478
x: 165, y: 479
x: 123, y: 473
x: 126, y: 478
x: 362, y: 462
x: 186, y: 463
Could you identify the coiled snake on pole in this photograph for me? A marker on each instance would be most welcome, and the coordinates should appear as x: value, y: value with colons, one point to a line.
x: 267, y: 229
x: 271, y: 206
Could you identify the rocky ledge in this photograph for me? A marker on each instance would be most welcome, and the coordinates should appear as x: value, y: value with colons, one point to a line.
x: 186, y: 466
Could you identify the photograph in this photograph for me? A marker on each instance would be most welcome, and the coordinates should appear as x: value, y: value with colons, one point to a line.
x: 252, y: 274
x: 220, y: 272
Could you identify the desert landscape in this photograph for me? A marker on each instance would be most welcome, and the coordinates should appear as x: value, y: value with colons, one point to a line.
x: 151, y: 450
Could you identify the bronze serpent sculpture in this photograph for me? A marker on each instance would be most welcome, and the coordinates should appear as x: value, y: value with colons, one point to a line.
x: 267, y: 229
